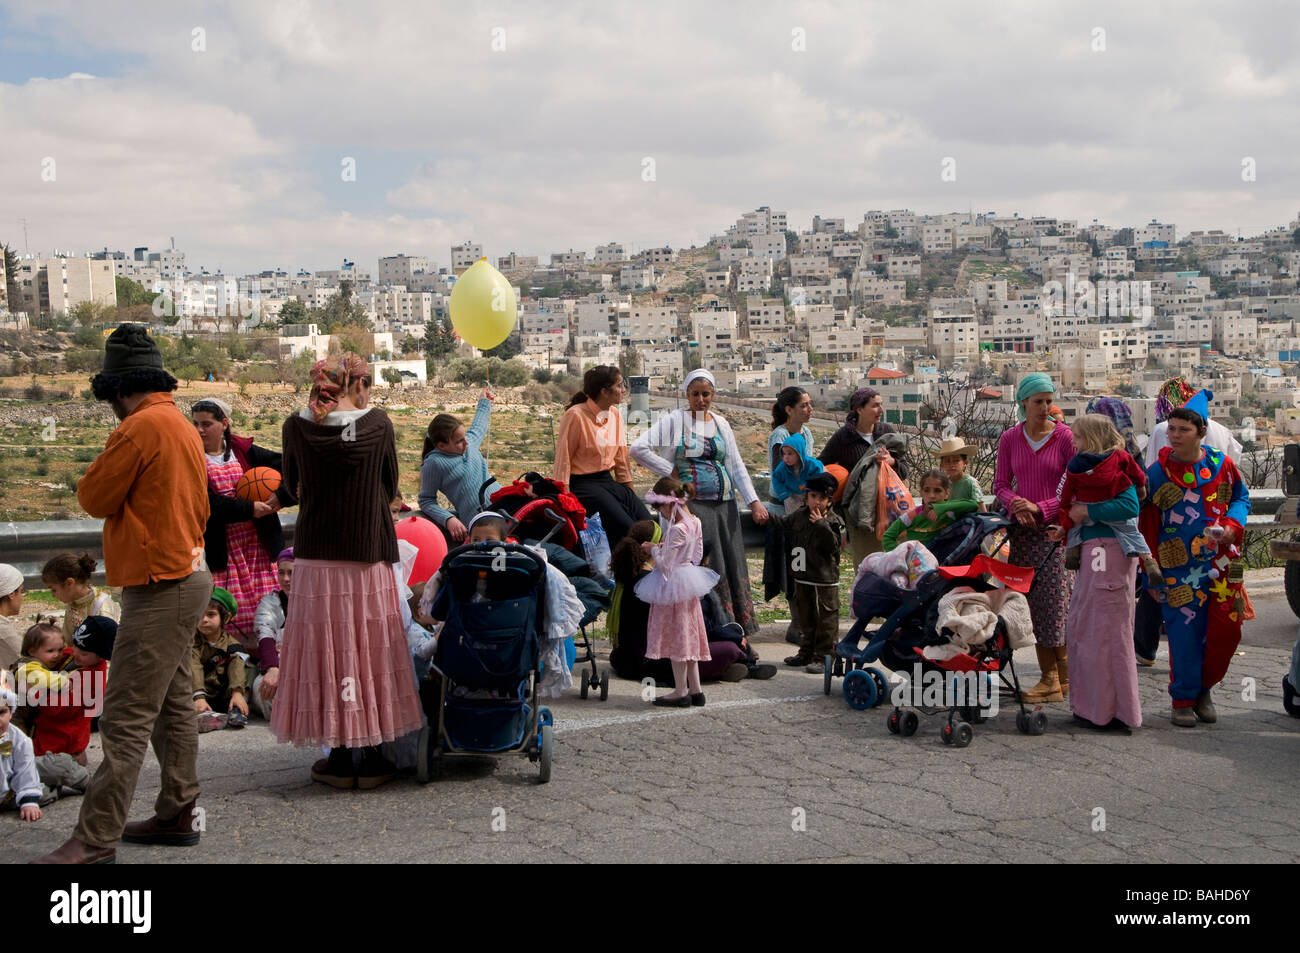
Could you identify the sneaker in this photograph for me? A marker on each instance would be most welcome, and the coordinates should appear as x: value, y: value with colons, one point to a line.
x: 798, y: 661
x: 735, y: 672
x: 763, y: 671
x: 816, y: 668
x: 1144, y: 661
x: 1183, y: 717
x: 236, y: 719
x: 211, y: 721
x: 1204, y: 709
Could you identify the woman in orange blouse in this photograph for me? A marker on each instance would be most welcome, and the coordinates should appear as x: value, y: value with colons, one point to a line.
x: 592, y: 441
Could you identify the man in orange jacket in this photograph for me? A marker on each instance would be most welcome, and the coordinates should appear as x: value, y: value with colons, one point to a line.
x: 150, y: 487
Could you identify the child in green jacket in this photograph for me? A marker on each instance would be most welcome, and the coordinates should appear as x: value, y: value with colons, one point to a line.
x: 937, y: 513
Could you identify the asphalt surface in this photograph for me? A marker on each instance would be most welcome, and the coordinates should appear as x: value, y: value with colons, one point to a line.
x: 777, y: 771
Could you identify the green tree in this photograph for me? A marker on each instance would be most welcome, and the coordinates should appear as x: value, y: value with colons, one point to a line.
x: 439, y: 340
x: 297, y: 372
x: 189, y: 371
x: 92, y: 314
x: 243, y: 379
x: 131, y: 292
x: 293, y: 311
x: 410, y: 344
x: 629, y: 361
x: 12, y: 291
x: 343, y: 310
x: 506, y: 349
x: 392, y: 376
x: 211, y: 359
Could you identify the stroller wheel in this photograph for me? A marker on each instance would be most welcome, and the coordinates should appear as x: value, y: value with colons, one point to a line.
x: 892, y: 721
x: 546, y: 742
x: 882, y: 684
x: 909, y: 723
x: 1037, y: 723
x: 859, y: 690
x: 1022, y: 722
x: 830, y: 670
x: 423, y: 757
x: 604, y: 685
x: 962, y: 733
x: 582, y: 686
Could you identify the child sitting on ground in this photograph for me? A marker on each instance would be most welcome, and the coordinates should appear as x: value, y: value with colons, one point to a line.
x: 790, y: 476
x: 268, y: 625
x: 937, y: 513
x: 68, y: 577
x: 63, y: 699
x: 20, y: 785
x: 217, y: 662
x: 1100, y: 470
x: 815, y: 536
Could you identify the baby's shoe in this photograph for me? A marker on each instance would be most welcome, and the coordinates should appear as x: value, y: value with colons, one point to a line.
x: 211, y: 721
x: 236, y: 719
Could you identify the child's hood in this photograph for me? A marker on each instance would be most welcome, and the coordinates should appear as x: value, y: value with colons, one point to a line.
x: 797, y: 443
x: 1101, y: 467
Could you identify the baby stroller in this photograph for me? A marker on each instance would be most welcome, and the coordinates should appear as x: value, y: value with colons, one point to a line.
x: 873, y: 597
x: 493, y: 600
x: 544, y: 510
x: 967, y: 676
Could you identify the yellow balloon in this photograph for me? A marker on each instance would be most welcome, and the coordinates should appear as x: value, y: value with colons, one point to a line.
x: 483, y: 306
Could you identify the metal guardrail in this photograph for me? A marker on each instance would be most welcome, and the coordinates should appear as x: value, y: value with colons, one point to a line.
x: 28, y: 545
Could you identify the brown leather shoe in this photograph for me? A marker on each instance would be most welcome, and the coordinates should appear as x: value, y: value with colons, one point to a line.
x: 181, y: 831
x: 79, y: 852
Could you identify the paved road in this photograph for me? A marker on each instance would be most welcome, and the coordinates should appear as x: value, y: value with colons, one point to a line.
x: 776, y: 771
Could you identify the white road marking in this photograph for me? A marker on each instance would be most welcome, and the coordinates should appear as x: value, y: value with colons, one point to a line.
x: 563, y: 725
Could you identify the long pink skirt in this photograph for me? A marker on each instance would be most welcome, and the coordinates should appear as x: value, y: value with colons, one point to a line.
x: 1103, y: 669
x: 346, y: 678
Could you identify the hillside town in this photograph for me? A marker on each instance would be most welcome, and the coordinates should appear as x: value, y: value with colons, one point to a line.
x: 917, y: 306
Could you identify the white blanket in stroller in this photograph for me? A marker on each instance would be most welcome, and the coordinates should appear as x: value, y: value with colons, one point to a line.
x: 972, y: 618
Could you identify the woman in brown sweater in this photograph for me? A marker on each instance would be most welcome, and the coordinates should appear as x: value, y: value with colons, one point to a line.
x: 346, y: 679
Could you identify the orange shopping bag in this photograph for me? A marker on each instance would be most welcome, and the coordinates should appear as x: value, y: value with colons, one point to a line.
x: 892, y: 499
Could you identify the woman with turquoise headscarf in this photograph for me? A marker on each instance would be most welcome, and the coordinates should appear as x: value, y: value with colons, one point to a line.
x: 1032, y: 457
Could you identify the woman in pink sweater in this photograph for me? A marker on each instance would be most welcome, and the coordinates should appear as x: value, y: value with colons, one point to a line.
x: 1032, y: 457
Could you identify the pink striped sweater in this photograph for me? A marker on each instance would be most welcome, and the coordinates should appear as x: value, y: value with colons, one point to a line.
x: 1034, y: 475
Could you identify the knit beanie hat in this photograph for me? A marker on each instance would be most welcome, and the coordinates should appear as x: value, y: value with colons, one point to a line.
x: 96, y: 634
x: 129, y: 349
x: 227, y: 602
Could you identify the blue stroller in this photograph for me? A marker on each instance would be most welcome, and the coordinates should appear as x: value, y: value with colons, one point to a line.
x: 481, y: 694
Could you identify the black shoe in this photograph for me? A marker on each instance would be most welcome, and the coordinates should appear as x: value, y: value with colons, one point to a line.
x: 1118, y: 727
x: 762, y: 671
x: 735, y: 672
x: 336, y: 770
x: 697, y: 699
x: 1289, y: 698
x: 236, y: 719
x: 1085, y: 723
x: 663, y: 701
x: 375, y: 770
x: 798, y: 661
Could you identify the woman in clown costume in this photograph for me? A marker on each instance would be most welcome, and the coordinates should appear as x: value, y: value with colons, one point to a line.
x: 1196, y: 508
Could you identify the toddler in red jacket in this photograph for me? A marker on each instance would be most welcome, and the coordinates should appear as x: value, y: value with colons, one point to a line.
x: 1099, y: 471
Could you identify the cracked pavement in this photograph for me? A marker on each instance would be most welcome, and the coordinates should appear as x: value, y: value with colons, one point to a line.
x: 776, y: 771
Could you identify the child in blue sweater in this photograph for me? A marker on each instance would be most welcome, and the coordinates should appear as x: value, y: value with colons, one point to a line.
x: 791, y: 476
x: 452, y: 463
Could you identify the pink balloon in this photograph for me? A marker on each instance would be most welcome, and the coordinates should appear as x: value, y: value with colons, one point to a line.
x: 428, y: 539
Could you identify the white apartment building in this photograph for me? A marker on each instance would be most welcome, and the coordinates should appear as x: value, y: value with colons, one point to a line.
x: 1120, y: 345
x: 816, y: 243
x: 1175, y: 330
x: 610, y: 254
x: 772, y: 246
x: 936, y: 238
x: 651, y: 326
x: 901, y: 396
x: 845, y: 247
x: 717, y: 279
x: 54, y: 285
x: 1235, y: 334
x: 402, y: 270
x: 516, y: 262
x: 463, y: 256
x: 1114, y: 263
x: 871, y: 288
x: 952, y: 337
x: 636, y: 277
x: 1018, y: 331
x: 987, y: 291
x: 903, y: 266
x: 810, y: 266
x: 1155, y: 232
x: 1082, y: 369
x: 837, y: 344
x: 762, y: 221
x: 298, y: 339
x: 406, y: 307
x: 727, y: 254
x: 972, y: 236
x: 714, y: 332
x: 827, y: 225
x: 657, y: 256
x: 659, y: 363
x: 821, y: 293
x: 754, y: 275
x: 568, y: 259
x: 592, y: 317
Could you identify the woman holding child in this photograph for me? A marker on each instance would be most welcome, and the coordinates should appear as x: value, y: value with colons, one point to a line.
x: 1032, y: 457
x: 346, y: 677
x: 698, y: 447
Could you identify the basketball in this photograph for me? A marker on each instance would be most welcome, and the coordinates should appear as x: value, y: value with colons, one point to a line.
x: 257, y: 484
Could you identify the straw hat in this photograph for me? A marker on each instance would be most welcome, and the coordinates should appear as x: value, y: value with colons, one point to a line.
x: 952, y: 446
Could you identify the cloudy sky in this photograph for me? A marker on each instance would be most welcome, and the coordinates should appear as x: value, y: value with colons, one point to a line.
x: 526, y: 126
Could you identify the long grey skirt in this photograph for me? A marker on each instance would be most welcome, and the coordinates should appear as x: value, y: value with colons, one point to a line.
x: 720, y: 520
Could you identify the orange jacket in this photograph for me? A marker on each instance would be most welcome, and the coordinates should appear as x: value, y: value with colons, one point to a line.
x: 150, y: 486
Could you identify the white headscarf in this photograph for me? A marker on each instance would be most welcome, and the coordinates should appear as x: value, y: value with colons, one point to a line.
x: 10, y: 579
x: 695, y: 375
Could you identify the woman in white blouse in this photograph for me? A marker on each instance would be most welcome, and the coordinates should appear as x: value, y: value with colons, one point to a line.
x: 698, y: 447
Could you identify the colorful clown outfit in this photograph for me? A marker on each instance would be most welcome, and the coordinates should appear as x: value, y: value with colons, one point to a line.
x: 1205, y: 599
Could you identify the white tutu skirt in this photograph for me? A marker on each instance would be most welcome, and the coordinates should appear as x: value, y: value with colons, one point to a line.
x: 686, y: 583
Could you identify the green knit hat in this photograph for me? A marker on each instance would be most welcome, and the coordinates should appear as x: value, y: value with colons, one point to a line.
x: 229, y: 606
x: 129, y: 349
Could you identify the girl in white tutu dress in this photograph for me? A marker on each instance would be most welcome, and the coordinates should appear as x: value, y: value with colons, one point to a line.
x: 673, y: 590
